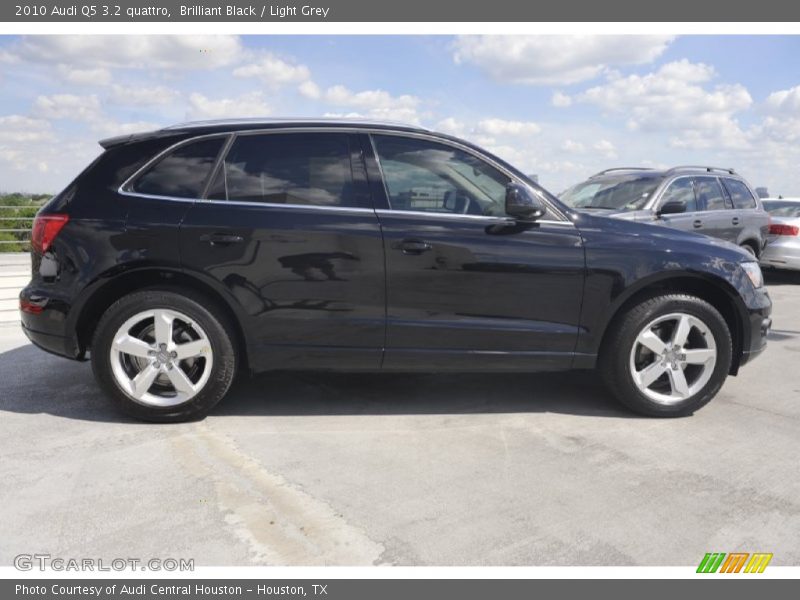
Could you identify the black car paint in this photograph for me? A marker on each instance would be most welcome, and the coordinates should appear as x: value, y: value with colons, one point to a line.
x: 335, y: 289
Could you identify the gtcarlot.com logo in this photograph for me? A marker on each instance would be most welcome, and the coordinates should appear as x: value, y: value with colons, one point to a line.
x: 42, y: 562
x: 734, y: 562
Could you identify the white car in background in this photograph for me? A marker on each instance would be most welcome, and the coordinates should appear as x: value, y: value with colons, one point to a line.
x: 783, y: 245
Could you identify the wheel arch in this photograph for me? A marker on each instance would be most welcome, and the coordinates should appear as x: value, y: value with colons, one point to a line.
x: 714, y: 290
x: 105, y: 293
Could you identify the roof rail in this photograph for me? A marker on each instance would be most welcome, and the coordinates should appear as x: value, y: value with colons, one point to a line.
x: 364, y: 122
x: 701, y: 168
x: 621, y: 169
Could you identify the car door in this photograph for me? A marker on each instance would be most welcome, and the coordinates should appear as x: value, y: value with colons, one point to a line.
x: 715, y: 206
x: 468, y: 287
x: 287, y: 232
x: 748, y: 223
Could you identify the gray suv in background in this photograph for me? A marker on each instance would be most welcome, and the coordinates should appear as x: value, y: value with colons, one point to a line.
x: 708, y: 200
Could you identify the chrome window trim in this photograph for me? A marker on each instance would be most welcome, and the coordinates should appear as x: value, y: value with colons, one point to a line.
x: 369, y: 131
x: 443, y: 215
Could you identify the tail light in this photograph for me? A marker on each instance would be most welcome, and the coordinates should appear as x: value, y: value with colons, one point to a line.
x: 45, y: 230
x: 780, y: 229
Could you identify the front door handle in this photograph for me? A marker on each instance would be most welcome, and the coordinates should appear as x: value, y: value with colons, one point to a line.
x: 221, y: 239
x: 414, y: 246
x: 735, y: 220
x: 697, y: 223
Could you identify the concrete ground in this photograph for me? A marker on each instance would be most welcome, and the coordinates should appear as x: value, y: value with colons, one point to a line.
x: 314, y: 469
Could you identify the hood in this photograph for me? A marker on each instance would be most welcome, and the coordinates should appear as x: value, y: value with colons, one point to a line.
x: 649, y: 236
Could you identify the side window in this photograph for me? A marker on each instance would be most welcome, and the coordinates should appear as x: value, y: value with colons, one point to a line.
x: 287, y: 168
x: 681, y: 190
x: 709, y: 194
x: 740, y: 194
x: 426, y: 176
x: 183, y: 172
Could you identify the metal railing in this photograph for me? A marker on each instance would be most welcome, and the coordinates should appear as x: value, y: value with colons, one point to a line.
x: 15, y: 227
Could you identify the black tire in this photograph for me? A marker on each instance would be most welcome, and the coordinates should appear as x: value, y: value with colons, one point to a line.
x: 198, y: 309
x: 615, y: 356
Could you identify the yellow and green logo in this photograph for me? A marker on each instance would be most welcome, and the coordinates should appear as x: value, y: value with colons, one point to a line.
x: 735, y: 562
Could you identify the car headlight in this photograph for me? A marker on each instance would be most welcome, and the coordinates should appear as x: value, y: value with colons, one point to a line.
x: 754, y: 273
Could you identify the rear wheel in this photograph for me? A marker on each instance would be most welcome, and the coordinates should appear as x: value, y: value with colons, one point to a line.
x: 667, y: 356
x: 163, y: 356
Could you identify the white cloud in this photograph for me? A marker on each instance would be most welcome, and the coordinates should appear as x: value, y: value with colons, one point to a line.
x: 142, y: 95
x: 91, y: 76
x: 605, y: 148
x: 67, y: 106
x: 374, y: 104
x: 130, y: 51
x: 452, y: 126
x: 247, y: 105
x: 274, y: 71
x: 676, y: 99
x: 785, y: 102
x: 560, y: 100
x: 555, y: 60
x: 311, y: 90
x: 19, y: 129
x: 501, y: 127
x: 573, y: 147
x: 24, y: 144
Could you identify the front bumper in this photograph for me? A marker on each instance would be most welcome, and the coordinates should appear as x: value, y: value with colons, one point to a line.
x: 758, y: 325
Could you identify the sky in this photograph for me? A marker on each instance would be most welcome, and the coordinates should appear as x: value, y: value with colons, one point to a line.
x: 560, y: 107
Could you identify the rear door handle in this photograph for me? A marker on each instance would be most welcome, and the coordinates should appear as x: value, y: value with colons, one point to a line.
x: 221, y: 239
x: 414, y: 246
x: 697, y: 223
x: 735, y: 220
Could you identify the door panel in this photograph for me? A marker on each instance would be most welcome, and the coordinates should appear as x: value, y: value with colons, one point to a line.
x: 468, y: 287
x: 716, y: 206
x: 486, y: 293
x: 308, y: 279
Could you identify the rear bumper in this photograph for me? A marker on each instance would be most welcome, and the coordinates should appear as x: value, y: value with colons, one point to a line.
x: 47, y: 329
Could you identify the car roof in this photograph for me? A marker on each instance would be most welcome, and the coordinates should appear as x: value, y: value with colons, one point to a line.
x: 196, y: 128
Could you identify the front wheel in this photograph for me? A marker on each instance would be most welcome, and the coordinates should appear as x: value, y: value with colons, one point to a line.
x: 667, y: 356
x: 163, y: 356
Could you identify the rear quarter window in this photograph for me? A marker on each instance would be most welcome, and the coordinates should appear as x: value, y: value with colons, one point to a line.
x: 740, y: 194
x: 183, y: 172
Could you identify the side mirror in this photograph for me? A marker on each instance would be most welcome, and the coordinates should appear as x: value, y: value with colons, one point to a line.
x: 522, y: 204
x: 673, y: 207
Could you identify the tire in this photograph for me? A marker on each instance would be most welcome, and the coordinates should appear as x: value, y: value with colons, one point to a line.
x: 627, y: 362
x: 152, y: 382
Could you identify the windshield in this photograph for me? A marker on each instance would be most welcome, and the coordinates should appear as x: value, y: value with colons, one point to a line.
x: 782, y: 208
x: 617, y: 193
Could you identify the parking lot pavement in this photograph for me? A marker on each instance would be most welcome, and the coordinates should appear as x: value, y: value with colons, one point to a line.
x: 423, y: 469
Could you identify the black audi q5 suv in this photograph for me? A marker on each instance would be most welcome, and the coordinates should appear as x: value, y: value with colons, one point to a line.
x: 183, y: 256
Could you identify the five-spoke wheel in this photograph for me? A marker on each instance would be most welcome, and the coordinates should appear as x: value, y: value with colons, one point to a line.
x: 161, y: 357
x: 164, y: 355
x: 666, y: 355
